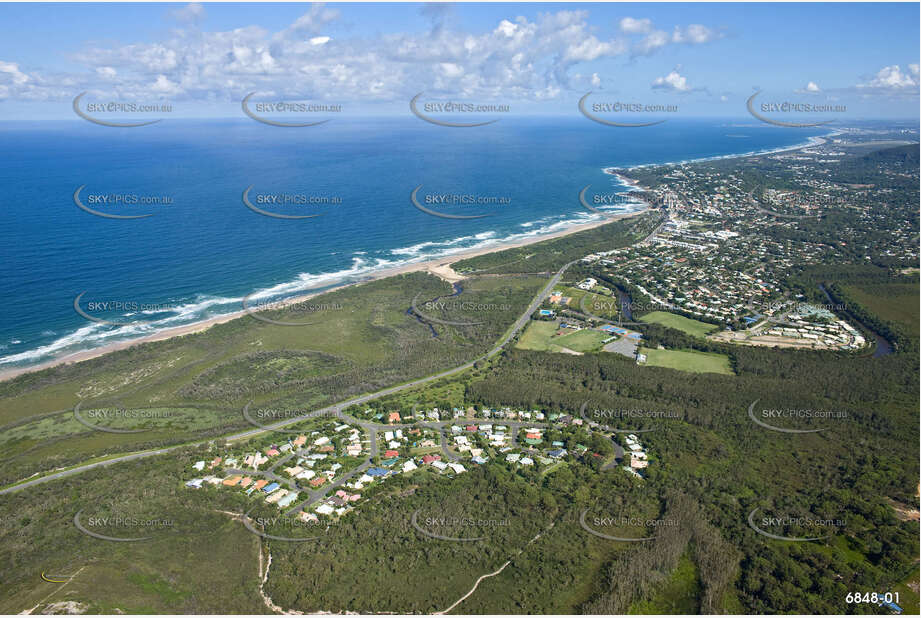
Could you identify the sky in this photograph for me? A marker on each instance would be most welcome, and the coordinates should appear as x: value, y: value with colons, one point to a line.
x: 704, y: 59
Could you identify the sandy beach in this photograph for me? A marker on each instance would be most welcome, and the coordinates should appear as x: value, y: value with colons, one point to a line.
x: 440, y: 267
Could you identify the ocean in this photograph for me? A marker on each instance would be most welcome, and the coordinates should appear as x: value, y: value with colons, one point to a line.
x: 203, y: 250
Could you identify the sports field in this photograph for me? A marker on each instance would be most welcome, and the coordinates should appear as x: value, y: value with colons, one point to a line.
x: 688, y: 360
x: 694, y: 328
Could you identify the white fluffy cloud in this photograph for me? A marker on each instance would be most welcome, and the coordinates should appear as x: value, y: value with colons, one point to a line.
x: 10, y: 73
x: 516, y: 58
x: 694, y: 34
x: 810, y: 88
x: 673, y: 82
x: 892, y: 78
x: 192, y: 12
x: 651, y: 42
x: 629, y: 25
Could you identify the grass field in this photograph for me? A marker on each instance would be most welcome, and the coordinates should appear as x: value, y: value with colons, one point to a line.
x: 688, y: 360
x: 537, y: 336
x: 602, y: 305
x: 582, y: 341
x: 694, y: 328
x: 541, y: 336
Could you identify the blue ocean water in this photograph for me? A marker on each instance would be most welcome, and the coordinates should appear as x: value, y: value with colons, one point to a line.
x: 200, y: 254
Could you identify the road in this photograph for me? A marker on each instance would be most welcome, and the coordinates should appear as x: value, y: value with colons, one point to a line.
x: 335, y: 409
x: 78, y: 469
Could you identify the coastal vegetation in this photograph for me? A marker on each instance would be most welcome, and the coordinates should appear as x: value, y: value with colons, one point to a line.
x: 194, y: 387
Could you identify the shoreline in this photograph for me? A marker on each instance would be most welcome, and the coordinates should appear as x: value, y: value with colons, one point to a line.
x: 816, y: 140
x: 439, y: 267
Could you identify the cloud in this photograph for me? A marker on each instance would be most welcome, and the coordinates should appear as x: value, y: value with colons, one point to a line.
x: 629, y: 25
x: 694, y: 34
x: 164, y: 86
x: 311, y: 22
x: 596, y: 81
x: 810, y: 88
x: 10, y: 73
x: 516, y: 58
x: 651, y: 42
x: 193, y: 12
x: 673, y: 82
x: 892, y: 78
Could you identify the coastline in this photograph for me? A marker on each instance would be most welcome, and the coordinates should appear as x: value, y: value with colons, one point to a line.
x: 816, y: 140
x: 439, y: 267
